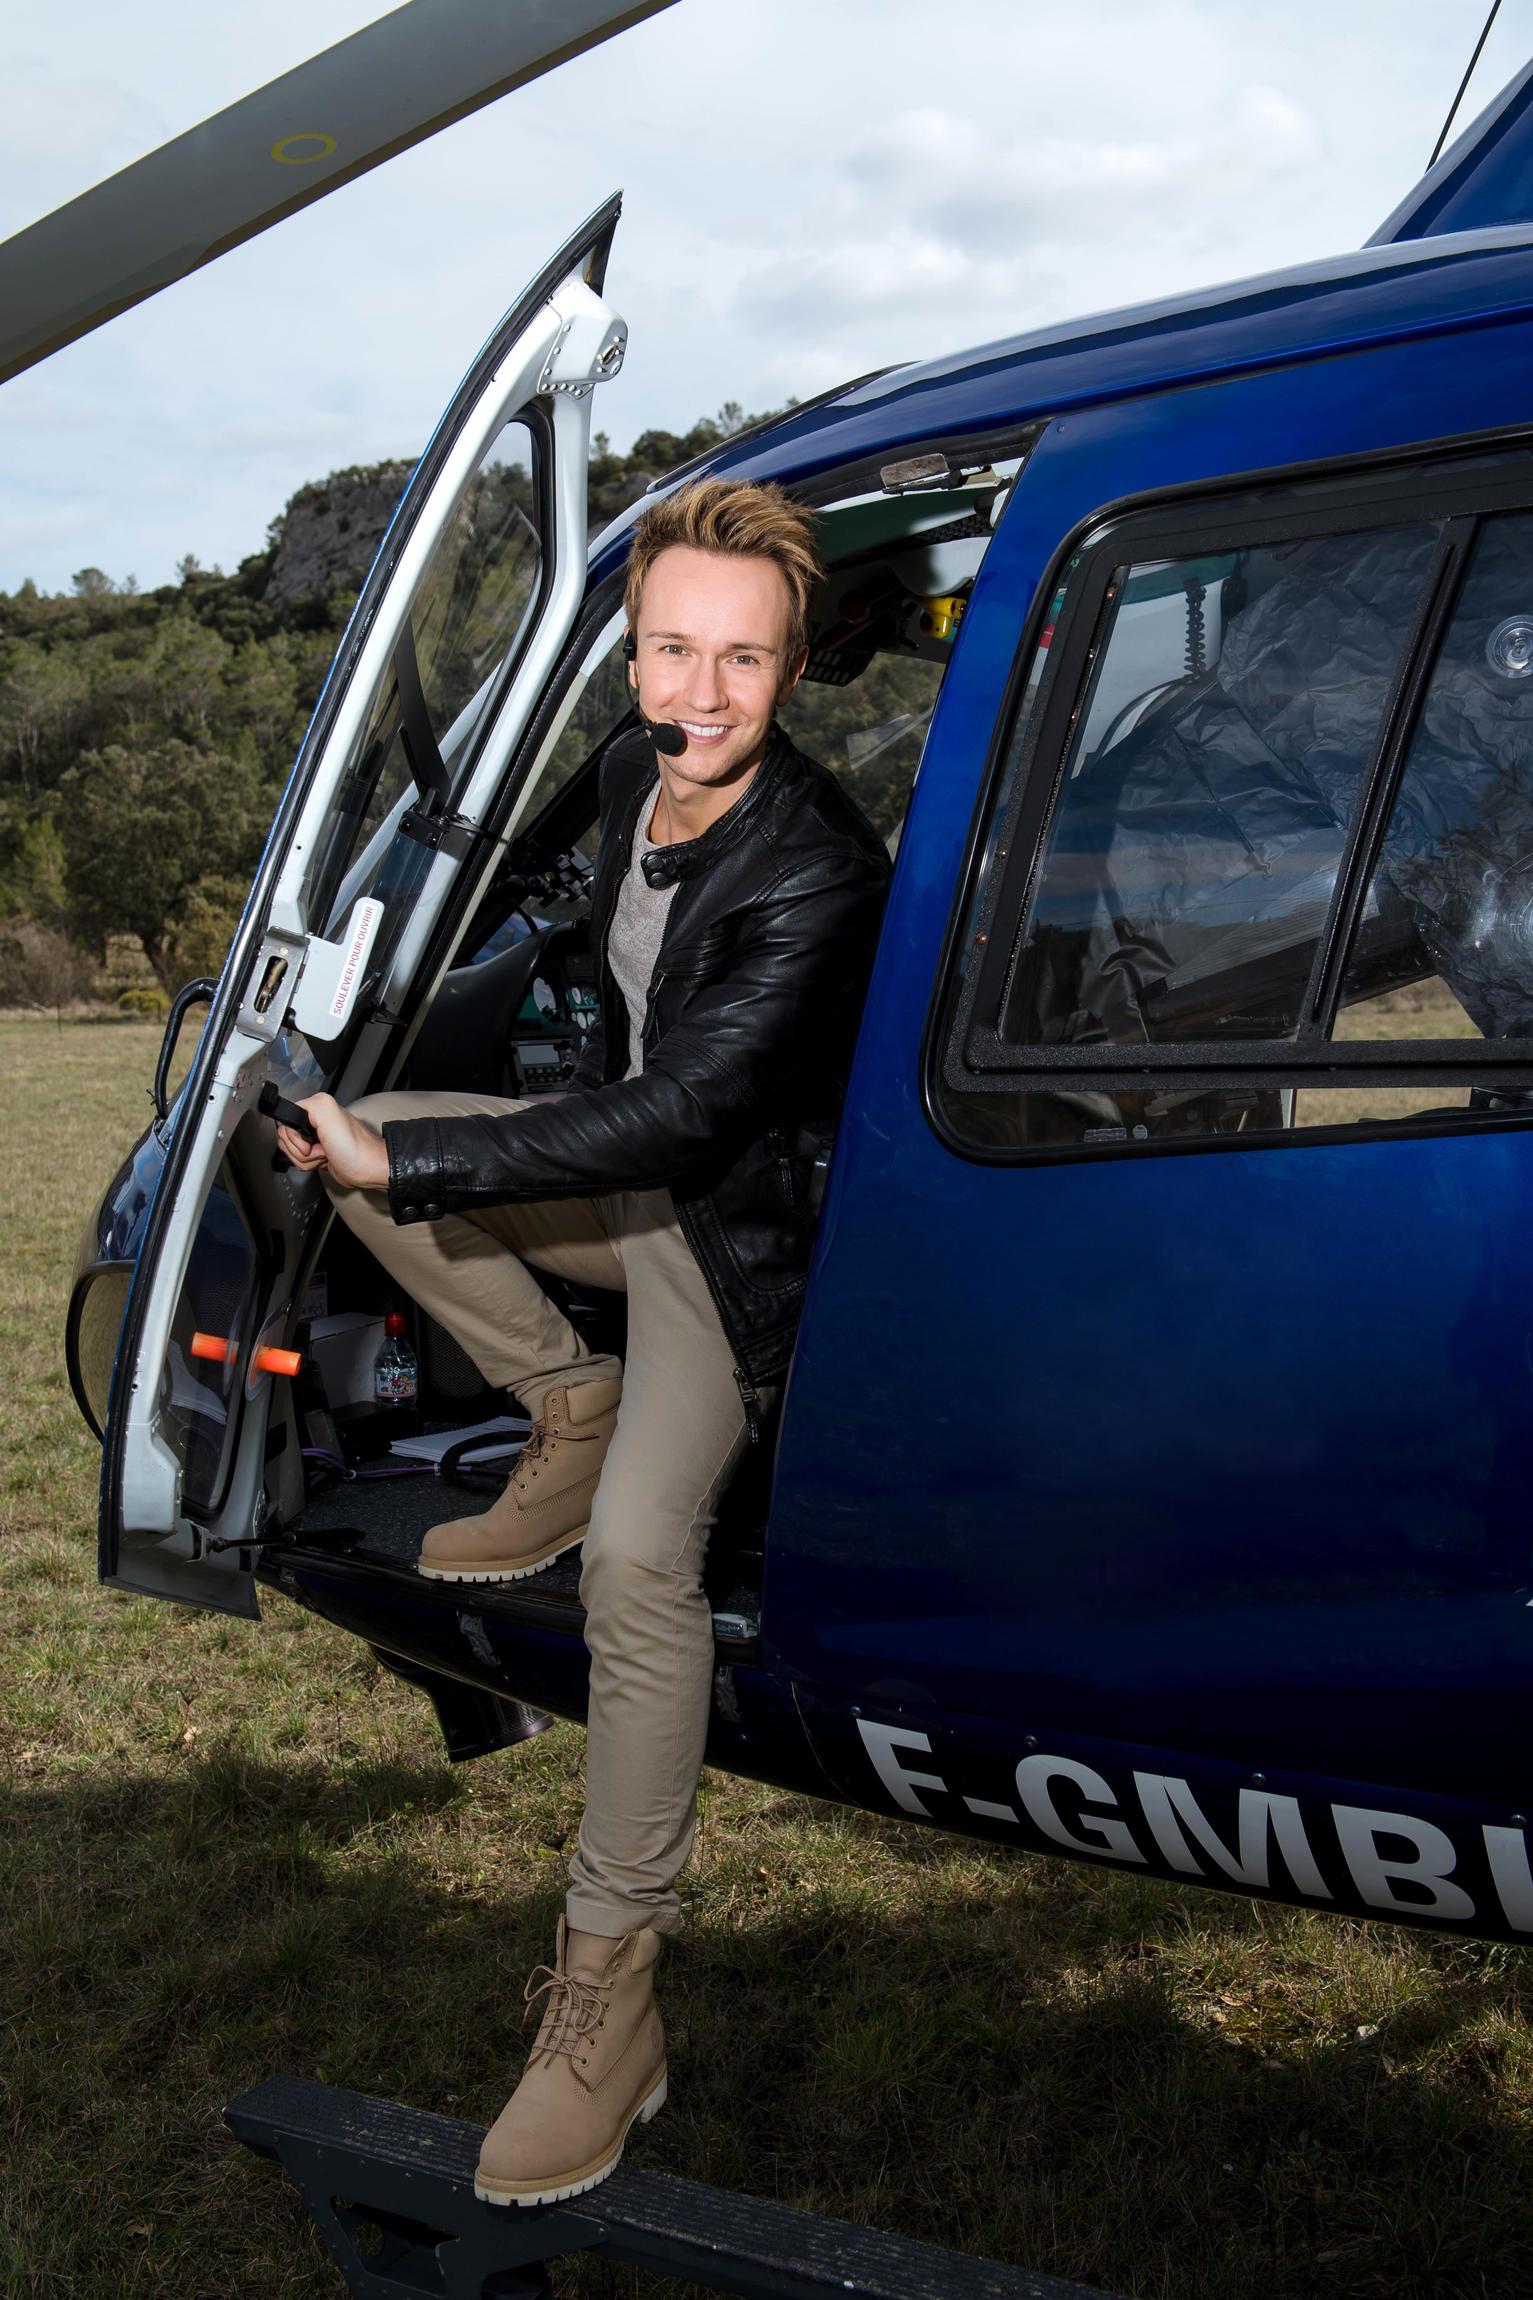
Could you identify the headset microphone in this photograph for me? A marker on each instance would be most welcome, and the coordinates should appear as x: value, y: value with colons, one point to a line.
x: 663, y: 733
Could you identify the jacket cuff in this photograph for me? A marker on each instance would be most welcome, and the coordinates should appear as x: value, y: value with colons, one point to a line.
x: 417, y: 1185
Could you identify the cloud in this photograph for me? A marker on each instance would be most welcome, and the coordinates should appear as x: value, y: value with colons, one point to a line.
x: 980, y: 188
x: 937, y: 225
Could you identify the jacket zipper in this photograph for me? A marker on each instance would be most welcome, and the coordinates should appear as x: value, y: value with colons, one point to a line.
x: 789, y: 1178
x: 655, y: 980
x: 750, y: 1398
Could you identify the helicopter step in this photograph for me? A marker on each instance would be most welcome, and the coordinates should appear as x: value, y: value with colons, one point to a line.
x: 391, y: 2191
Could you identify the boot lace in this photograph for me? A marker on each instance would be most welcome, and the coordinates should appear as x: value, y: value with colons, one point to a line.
x: 532, y: 1448
x: 575, y: 2007
x: 540, y: 1437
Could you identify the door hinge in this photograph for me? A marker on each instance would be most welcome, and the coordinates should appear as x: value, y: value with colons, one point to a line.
x: 590, y: 344
x: 450, y: 835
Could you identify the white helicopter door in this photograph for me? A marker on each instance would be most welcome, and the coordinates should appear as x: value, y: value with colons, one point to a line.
x: 464, y: 613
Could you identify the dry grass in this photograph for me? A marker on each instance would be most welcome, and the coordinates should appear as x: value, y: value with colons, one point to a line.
x: 235, y: 1850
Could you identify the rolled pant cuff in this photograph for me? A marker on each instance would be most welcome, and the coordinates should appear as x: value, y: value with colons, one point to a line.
x: 612, y: 1919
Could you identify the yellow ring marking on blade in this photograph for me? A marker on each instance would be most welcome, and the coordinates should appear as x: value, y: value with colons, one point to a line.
x: 283, y: 150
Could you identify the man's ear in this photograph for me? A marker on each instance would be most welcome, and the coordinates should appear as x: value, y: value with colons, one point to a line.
x: 791, y: 678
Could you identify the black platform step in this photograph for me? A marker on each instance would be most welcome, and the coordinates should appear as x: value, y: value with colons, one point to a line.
x: 391, y: 2191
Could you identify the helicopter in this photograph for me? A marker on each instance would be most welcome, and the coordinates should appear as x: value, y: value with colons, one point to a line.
x: 1149, y: 1482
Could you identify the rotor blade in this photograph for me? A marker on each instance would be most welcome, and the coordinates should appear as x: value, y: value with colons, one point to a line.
x: 385, y: 88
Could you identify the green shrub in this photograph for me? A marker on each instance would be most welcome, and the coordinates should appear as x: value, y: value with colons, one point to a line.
x: 141, y: 1001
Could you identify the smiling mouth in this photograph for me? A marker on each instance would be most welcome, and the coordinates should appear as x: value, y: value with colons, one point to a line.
x: 695, y: 732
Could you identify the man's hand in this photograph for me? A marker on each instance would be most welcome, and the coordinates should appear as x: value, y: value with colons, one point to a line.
x: 350, y: 1151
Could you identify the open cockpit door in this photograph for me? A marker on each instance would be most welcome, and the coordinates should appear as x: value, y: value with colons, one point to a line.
x: 470, y: 600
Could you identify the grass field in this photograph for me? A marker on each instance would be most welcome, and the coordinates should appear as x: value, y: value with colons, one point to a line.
x: 233, y: 1850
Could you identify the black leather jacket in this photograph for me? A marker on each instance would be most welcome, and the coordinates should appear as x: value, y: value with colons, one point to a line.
x: 748, y: 1035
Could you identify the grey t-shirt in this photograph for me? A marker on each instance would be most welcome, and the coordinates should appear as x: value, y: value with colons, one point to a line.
x: 638, y: 923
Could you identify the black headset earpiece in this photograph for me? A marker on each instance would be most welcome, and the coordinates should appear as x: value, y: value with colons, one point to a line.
x: 630, y: 647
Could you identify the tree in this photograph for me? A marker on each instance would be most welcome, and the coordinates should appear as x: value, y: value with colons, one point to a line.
x: 172, y: 684
x: 31, y: 862
x: 141, y: 828
x: 42, y: 707
x: 198, y: 936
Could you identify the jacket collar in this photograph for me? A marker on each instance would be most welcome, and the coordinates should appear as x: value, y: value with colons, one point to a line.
x: 667, y: 866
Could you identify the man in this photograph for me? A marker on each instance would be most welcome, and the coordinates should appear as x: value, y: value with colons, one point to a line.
x: 735, y: 907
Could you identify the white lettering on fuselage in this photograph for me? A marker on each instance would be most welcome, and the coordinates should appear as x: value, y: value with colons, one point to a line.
x: 1427, y: 1864
x: 1036, y: 1777
x: 1507, y: 1852
x: 881, y: 1742
x: 1170, y: 1804
x: 1398, y: 1863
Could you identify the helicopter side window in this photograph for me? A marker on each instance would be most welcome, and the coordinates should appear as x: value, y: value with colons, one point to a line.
x: 1227, y: 724
x: 1455, y: 865
x: 1283, y: 878
x: 1444, y: 947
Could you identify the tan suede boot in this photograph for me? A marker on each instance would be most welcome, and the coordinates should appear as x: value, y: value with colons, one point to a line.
x: 546, y: 1506
x: 597, y: 2066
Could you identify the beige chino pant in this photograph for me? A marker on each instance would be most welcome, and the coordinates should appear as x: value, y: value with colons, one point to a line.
x: 680, y: 1431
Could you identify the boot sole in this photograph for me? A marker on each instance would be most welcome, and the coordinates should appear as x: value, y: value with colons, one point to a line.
x: 586, y: 2175
x: 445, y: 1570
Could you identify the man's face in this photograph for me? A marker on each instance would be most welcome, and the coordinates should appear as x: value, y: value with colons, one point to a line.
x: 712, y: 642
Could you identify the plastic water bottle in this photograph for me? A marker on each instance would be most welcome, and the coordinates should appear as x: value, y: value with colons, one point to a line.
x: 396, y: 1377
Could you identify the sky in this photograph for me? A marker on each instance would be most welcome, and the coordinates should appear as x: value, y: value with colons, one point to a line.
x: 813, y: 188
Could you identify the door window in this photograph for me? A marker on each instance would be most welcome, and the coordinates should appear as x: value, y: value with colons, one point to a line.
x: 437, y: 693
x: 1235, y: 773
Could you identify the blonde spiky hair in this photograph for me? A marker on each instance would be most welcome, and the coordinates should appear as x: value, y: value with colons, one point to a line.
x: 739, y: 519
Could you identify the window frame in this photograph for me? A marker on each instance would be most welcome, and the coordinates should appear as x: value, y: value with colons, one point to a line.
x: 1452, y: 484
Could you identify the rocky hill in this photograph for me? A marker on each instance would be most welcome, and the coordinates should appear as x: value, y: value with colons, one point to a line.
x: 329, y: 531
x: 324, y: 540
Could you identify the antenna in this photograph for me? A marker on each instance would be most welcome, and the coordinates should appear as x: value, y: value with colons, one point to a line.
x: 1463, y: 84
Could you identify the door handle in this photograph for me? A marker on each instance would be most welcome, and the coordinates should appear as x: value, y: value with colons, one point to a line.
x: 198, y: 993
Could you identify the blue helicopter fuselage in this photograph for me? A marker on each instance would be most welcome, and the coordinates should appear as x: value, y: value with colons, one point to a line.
x: 1161, y: 1501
